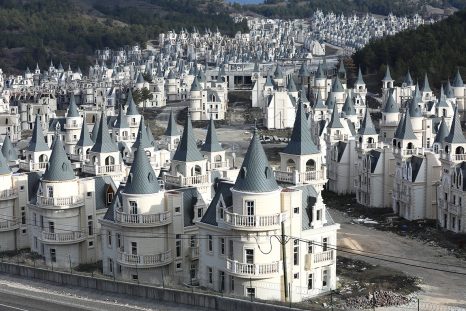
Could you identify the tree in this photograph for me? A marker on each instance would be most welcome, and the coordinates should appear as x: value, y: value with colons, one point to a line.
x: 141, y: 95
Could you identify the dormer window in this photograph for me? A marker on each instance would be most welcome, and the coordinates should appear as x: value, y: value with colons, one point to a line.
x: 268, y: 173
x: 243, y: 172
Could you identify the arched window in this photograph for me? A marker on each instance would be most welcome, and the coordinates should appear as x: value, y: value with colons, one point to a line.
x: 410, y: 146
x: 43, y: 158
x: 109, y: 160
x: 459, y: 150
x: 310, y: 165
x: 290, y: 165
x: 218, y: 158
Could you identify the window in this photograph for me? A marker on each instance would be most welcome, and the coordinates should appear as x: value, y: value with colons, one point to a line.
x: 134, y: 248
x: 90, y: 226
x: 310, y: 282
x: 250, y: 208
x: 133, y: 207
x: 324, y: 278
x: 296, y: 276
x: 118, y: 240
x: 109, y: 197
x: 50, y: 191
x: 200, y: 212
x: 177, y: 209
x: 324, y: 244
x: 109, y: 238
x: 209, y: 243
x: 210, y: 274
x: 135, y: 277
x: 178, y: 266
x: 296, y: 252
x: 51, y: 227
x: 310, y: 247
x: 221, y: 278
x: 232, y: 283
x: 251, y: 292
x: 35, y: 242
x: 178, y: 245
x: 222, y: 246
x: 220, y: 213
x: 249, y: 255
x: 110, y: 265
x: 53, y: 255
x: 34, y: 217
x: 90, y: 244
x: 192, y: 241
x: 23, y: 215
x: 318, y: 214
x: 296, y: 210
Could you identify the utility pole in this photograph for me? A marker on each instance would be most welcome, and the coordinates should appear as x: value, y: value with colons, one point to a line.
x: 285, y: 277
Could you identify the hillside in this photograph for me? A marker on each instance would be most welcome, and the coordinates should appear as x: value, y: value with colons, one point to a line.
x: 305, y: 8
x: 69, y: 31
x: 437, y: 50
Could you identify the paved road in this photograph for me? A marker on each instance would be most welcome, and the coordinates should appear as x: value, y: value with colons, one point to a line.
x: 10, y: 301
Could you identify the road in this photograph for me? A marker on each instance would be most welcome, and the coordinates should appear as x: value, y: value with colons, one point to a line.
x: 438, y: 287
x: 21, y: 294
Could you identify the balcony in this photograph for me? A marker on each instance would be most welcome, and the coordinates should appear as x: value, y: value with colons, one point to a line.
x: 335, y: 137
x: 217, y: 165
x: 8, y: 225
x: 194, y: 252
x: 146, y: 261
x: 409, y: 152
x: 452, y: 157
x: 143, y: 220
x: 32, y: 167
x: 254, y: 270
x: 103, y: 169
x: 8, y: 194
x: 311, y: 176
x: 62, y: 237
x: 317, y: 260
x: 182, y: 181
x: 286, y: 177
x: 72, y: 126
x: 79, y: 157
x: 254, y: 222
x: 52, y: 202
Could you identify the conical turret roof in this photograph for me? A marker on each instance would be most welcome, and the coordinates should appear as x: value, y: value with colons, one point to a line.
x: 301, y: 141
x: 457, y: 80
x: 187, y: 149
x: 405, y: 128
x: 442, y: 100
x: 335, y: 119
x: 72, y: 109
x: 37, y: 142
x: 408, y: 80
x: 59, y: 166
x: 121, y: 121
x: 95, y: 129
x: 442, y: 132
x: 195, y: 86
x: 150, y: 136
x: 84, y: 139
x: 141, y: 177
x: 391, y: 106
x: 388, y: 76
x: 142, y: 140
x: 211, y: 141
x: 360, y: 79
x: 131, y: 109
x: 172, y: 129
x: 337, y: 86
x: 348, y: 106
x: 9, y: 152
x: 4, y: 167
x: 291, y: 87
x: 320, y: 72
x: 456, y: 133
x: 426, y: 87
x: 367, y: 126
x: 255, y: 175
x: 104, y: 142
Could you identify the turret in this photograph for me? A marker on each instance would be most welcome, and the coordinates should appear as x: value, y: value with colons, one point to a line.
x: 367, y: 137
x: 212, y: 150
x: 172, y: 134
x: 37, y: 151
x: 73, y: 125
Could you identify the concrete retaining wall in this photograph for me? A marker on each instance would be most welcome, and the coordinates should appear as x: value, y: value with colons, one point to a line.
x: 150, y: 292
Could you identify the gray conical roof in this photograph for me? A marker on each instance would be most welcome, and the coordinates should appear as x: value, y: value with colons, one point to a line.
x: 140, y: 78
x: 150, y: 136
x: 360, y: 79
x: 388, y: 76
x: 335, y: 119
x: 268, y: 81
x: 131, y: 109
x: 319, y: 103
x: 59, y: 166
x: 255, y: 175
x: 405, y: 130
x: 37, y: 142
x: 141, y: 177
x: 187, y: 149
x: 142, y: 140
x: 121, y: 121
x: 4, y: 167
x: 320, y: 72
x: 449, y: 90
x: 72, y: 109
x: 291, y: 87
x: 413, y: 107
x: 426, y: 87
x: 348, y: 107
x: 95, y: 129
x: 457, y: 80
x: 172, y: 129
x: 367, y: 127
x: 84, y: 139
x: 442, y: 100
x: 278, y: 74
x: 337, y: 86
x: 211, y: 141
x: 442, y: 132
x: 104, y: 142
x: 456, y: 133
x: 391, y: 106
x: 304, y: 71
x: 408, y: 80
x: 301, y: 141
x: 195, y: 86
x: 9, y: 152
x: 330, y: 102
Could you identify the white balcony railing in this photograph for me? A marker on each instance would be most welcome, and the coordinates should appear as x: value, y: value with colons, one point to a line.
x: 143, y: 219
x: 316, y: 260
x: 62, y: 237
x: 182, y: 181
x: 32, y: 167
x: 217, y: 165
x: 152, y: 260
x: 253, y: 221
x: 452, y: 157
x: 8, y: 194
x: 9, y: 225
x: 59, y: 202
x: 72, y: 126
x: 253, y: 269
x: 103, y: 169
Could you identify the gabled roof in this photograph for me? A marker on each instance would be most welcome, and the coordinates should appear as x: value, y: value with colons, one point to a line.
x: 391, y: 106
x: 171, y: 130
x: 142, y: 141
x: 72, y: 109
x: 59, y: 166
x: 140, y: 78
x: 222, y: 192
x: 84, y: 138
x: 37, y: 142
x: 4, y: 167
x: 457, y: 80
x: 116, y: 202
x: 141, y: 177
x: 367, y: 127
x: 255, y: 174
x: 442, y: 132
x: 301, y: 141
x: 388, y: 76
x: 348, y: 107
x: 426, y: 87
x: 121, y: 121
x: 211, y: 141
x: 104, y: 143
x: 335, y: 119
x: 187, y: 149
x: 405, y: 128
x: 360, y: 79
x: 456, y: 133
x: 131, y: 109
x: 9, y: 152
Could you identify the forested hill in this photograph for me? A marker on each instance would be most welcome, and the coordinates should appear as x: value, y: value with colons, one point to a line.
x: 305, y: 8
x: 437, y: 50
x: 69, y: 31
